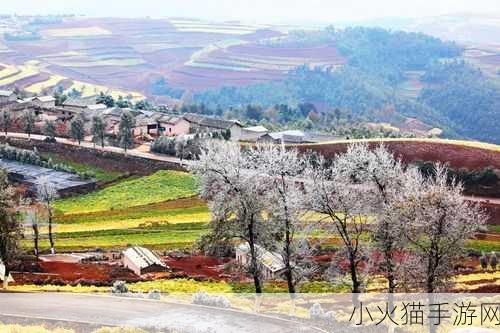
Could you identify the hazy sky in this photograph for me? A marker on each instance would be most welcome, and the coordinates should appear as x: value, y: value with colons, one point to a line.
x: 254, y: 10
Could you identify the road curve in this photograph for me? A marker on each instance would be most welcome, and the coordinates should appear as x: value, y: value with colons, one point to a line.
x: 120, y: 311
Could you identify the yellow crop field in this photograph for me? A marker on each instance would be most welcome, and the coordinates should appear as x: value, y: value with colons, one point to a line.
x: 40, y: 86
x: 89, y: 90
x: 78, y: 32
x: 169, y: 217
x: 8, y: 70
x: 25, y: 71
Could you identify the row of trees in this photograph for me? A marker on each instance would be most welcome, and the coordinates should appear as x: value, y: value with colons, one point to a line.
x: 77, y: 128
x: 417, y: 225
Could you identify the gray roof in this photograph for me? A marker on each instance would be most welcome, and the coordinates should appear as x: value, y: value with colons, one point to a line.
x: 33, y: 174
x: 272, y: 260
x: 6, y: 93
x: 142, y: 257
x: 45, y: 98
x: 210, y: 122
x: 79, y: 102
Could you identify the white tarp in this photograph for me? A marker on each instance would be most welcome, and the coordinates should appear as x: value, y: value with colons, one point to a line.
x: 2, y: 273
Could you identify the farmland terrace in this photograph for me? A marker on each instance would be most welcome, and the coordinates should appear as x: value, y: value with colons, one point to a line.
x: 126, y: 56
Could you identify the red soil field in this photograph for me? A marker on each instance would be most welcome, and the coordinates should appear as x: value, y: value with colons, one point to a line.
x: 455, y: 155
x: 197, y: 266
x: 73, y: 273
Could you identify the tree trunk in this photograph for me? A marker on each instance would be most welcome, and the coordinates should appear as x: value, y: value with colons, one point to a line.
x: 6, y: 277
x: 35, y: 240
x: 51, y: 238
x: 354, y: 274
x: 288, y: 266
x: 254, y: 265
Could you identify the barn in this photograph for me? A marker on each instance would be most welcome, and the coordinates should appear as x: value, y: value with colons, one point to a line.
x: 141, y: 261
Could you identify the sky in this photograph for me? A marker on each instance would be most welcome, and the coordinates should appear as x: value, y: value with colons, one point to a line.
x: 271, y: 11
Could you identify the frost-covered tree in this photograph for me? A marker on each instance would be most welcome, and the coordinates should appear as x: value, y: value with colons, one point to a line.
x: 47, y: 194
x: 234, y: 191
x: 10, y: 228
x: 286, y: 208
x: 337, y: 191
x: 383, y: 176
x: 437, y: 220
x: 5, y: 121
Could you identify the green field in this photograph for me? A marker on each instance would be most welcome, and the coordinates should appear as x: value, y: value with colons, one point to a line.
x: 172, y: 236
x: 159, y: 211
x: 100, y: 174
x: 159, y: 187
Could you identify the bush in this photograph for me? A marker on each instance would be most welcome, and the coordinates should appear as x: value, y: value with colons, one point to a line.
x: 119, y: 287
x: 154, y: 294
x: 483, y: 260
x: 493, y: 261
x: 185, y: 149
x: 202, y: 298
x: 316, y: 312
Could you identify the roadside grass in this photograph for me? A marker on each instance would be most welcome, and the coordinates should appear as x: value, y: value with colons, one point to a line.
x: 180, y: 286
x: 101, y: 174
x: 159, y: 187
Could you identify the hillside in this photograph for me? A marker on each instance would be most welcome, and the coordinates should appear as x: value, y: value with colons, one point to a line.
x: 410, y: 81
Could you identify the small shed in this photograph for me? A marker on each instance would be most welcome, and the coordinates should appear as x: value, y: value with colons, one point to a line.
x: 141, y: 261
x: 270, y: 263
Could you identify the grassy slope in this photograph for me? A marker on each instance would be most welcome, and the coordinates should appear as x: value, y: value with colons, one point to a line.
x: 101, y: 174
x: 159, y: 187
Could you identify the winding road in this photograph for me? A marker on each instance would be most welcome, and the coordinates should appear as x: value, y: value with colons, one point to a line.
x: 121, y: 311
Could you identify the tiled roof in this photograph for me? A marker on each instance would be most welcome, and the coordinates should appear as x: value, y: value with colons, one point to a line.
x: 210, y: 122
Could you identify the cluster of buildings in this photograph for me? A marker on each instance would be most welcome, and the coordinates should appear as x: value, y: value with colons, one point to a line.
x: 148, y: 124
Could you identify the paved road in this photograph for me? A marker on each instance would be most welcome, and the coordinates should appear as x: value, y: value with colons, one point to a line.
x: 117, y: 311
x: 87, y: 144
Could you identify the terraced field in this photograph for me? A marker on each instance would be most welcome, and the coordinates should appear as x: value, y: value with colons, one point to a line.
x: 158, y: 211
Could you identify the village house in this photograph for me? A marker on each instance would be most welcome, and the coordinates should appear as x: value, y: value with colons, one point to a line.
x: 252, y: 134
x: 44, y: 101
x: 204, y: 124
x: 173, y: 126
x: 157, y: 123
x: 7, y: 96
x: 82, y: 104
x: 270, y: 263
x: 141, y: 261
